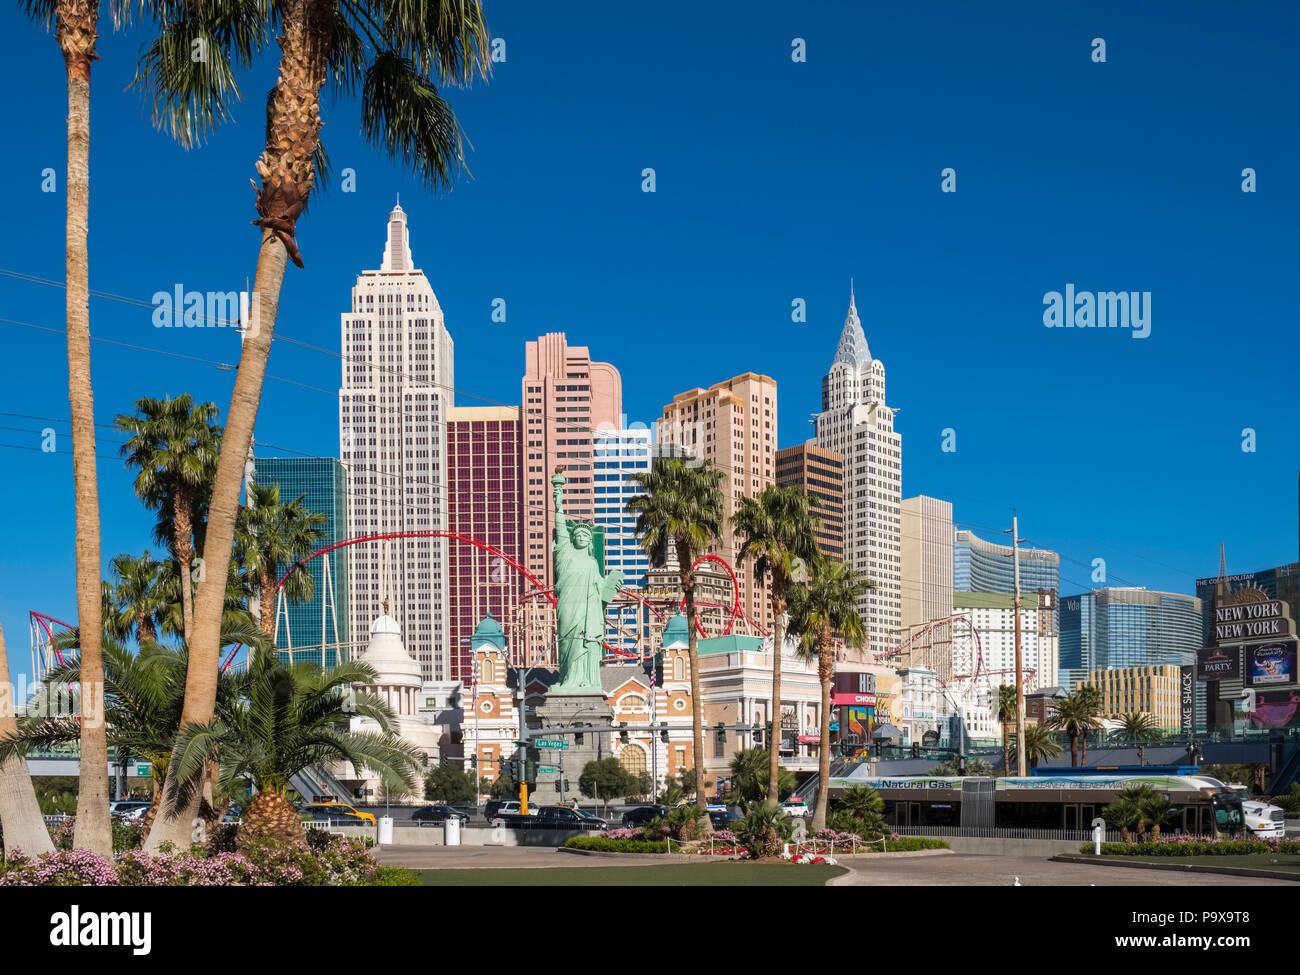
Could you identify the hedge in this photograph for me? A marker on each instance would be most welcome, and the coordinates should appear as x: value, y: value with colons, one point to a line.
x: 1196, y: 848
x: 906, y: 844
x: 603, y: 844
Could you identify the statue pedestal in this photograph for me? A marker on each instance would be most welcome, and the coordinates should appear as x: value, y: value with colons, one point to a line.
x: 564, y: 711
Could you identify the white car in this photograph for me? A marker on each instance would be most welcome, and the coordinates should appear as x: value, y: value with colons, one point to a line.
x: 795, y: 806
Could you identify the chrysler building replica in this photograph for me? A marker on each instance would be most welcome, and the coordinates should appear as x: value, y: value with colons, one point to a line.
x: 397, y: 386
x: 855, y: 421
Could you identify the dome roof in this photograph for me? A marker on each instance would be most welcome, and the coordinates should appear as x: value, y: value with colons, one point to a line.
x: 677, y: 633
x: 488, y: 631
x: 385, y: 652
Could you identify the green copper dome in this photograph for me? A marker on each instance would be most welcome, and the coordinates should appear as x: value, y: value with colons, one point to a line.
x: 488, y: 631
x: 677, y: 633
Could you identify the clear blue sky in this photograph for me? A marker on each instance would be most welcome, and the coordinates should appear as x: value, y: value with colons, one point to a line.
x: 776, y: 181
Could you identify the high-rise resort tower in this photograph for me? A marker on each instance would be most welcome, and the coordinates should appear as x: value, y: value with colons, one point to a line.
x: 855, y: 421
x: 397, y: 387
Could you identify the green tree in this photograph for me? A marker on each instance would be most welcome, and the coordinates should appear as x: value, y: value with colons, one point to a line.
x: 397, y: 55
x: 780, y: 535
x: 137, y: 601
x: 449, y: 783
x: 173, y: 446
x: 1077, y: 715
x: 1135, y: 727
x: 1007, y: 708
x: 828, y: 605
x: 749, y: 779
x: 606, y: 779
x: 681, y: 512
x: 974, y: 766
x: 271, y: 534
x: 280, y: 720
x: 1040, y: 744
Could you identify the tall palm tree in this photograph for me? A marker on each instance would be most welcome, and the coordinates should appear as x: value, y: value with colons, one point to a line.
x: 1006, y: 715
x: 20, y: 814
x: 780, y: 536
x: 282, y: 719
x: 173, y: 445
x: 397, y: 53
x: 681, y: 513
x: 1076, y: 715
x: 138, y: 600
x: 1040, y: 743
x: 271, y: 534
x: 827, y: 606
x: 1136, y: 726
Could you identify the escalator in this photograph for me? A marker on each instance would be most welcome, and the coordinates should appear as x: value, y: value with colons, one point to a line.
x: 316, y: 784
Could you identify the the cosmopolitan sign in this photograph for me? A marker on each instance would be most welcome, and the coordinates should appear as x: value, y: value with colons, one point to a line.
x: 1246, y: 621
x: 868, y: 699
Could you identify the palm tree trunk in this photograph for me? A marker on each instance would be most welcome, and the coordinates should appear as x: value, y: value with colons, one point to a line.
x: 1083, y: 758
x: 778, y: 638
x: 286, y: 167
x: 1074, y: 749
x: 826, y: 674
x: 183, y: 546
x: 697, y: 708
x: 20, y: 814
x: 1006, y: 751
x: 266, y: 602
x: 77, y: 31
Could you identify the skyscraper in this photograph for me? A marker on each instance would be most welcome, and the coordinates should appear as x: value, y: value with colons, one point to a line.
x: 980, y: 566
x: 566, y: 397
x: 1127, y: 627
x: 485, y: 503
x: 323, y: 620
x: 818, y: 473
x: 397, y: 386
x: 619, y: 456
x: 856, y: 422
x: 926, y: 579
x: 732, y: 425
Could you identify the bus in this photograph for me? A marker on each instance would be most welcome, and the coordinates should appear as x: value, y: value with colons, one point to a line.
x: 1066, y: 799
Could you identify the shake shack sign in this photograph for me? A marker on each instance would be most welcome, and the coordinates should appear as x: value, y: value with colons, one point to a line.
x: 1239, y: 620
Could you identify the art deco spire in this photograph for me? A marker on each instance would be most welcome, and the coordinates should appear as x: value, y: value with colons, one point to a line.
x: 852, y: 347
x: 397, y: 249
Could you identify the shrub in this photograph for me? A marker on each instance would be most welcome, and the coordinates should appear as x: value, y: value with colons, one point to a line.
x: 844, y: 821
x: 603, y: 844
x: 62, y: 868
x: 127, y: 834
x: 1190, y: 846
x: 684, y: 822
x: 394, y: 877
x: 764, y: 831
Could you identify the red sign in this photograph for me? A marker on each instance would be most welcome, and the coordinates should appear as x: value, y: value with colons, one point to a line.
x: 810, y: 739
x: 868, y: 699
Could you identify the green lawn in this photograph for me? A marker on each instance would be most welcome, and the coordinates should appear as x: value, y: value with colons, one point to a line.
x: 725, y: 874
x: 1285, y: 863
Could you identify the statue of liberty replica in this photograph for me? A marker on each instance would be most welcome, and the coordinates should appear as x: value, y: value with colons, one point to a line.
x: 577, y: 699
x: 582, y: 591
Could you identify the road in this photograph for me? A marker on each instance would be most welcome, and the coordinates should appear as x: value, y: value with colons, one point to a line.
x: 972, y: 870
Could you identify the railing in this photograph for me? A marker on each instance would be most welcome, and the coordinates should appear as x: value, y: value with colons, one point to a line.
x: 1008, y: 833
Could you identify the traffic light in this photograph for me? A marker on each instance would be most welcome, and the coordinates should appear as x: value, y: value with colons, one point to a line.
x: 758, y: 737
x: 663, y: 734
x: 624, y: 737
x: 722, y: 733
x: 473, y: 761
x: 577, y: 738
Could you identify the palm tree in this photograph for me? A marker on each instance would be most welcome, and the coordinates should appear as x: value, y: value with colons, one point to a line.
x: 1007, y: 707
x: 173, y: 444
x: 271, y: 534
x: 1122, y: 813
x: 1040, y: 743
x: 681, y: 513
x: 859, y: 801
x: 1136, y: 726
x: 20, y: 814
x: 780, y: 535
x: 1076, y: 715
x: 397, y: 54
x: 138, y: 600
x: 280, y: 720
x: 826, y: 607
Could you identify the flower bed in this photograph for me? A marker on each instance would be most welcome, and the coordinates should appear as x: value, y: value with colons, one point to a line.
x: 607, y: 844
x: 1191, y: 846
x: 324, y: 860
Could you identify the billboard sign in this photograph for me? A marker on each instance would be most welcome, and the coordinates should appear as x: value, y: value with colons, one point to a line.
x: 1271, y: 663
x: 867, y: 699
x: 1216, y: 662
x: 1187, y: 699
x: 1276, y: 709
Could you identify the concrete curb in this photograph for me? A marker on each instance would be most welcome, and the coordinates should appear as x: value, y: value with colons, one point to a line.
x: 1183, y: 867
x: 695, y: 857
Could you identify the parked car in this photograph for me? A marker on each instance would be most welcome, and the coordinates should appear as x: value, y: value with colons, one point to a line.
x: 439, y: 814
x: 724, y: 818
x: 129, y: 809
x: 550, y: 817
x: 336, y: 814
x: 643, y: 814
